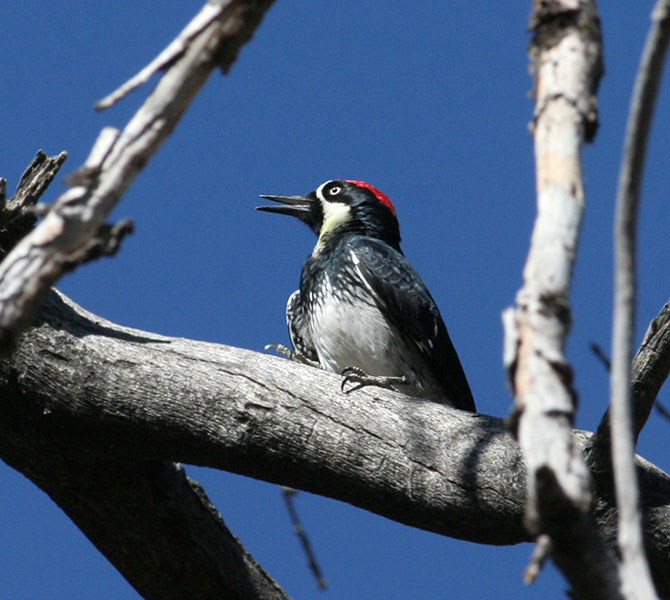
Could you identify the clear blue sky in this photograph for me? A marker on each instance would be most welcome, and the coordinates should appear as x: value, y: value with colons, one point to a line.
x: 430, y: 105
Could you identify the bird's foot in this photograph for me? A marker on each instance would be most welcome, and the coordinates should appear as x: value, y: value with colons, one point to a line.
x: 293, y: 355
x: 358, y: 378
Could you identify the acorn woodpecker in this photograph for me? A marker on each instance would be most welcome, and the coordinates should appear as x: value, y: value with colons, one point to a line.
x: 361, y: 309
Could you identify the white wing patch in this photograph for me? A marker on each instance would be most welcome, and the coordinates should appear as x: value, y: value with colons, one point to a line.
x: 357, y: 263
x: 380, y: 302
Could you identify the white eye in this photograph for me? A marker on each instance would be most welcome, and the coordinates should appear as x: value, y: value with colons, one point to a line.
x: 334, y: 191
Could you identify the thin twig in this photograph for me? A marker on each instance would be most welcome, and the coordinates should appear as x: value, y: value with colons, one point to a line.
x: 176, y: 48
x: 648, y: 373
x: 635, y: 570
x: 662, y: 410
x: 541, y: 552
x: 600, y: 355
x: 288, y: 494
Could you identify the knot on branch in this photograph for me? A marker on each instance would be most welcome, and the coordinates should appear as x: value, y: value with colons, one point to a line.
x: 105, y: 242
x: 555, y: 305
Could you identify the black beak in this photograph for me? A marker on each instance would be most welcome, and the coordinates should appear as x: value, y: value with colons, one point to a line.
x: 296, y: 206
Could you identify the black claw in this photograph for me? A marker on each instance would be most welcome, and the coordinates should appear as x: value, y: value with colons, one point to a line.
x: 280, y: 349
x: 361, y: 379
x: 293, y: 355
x: 358, y: 384
x: 354, y: 375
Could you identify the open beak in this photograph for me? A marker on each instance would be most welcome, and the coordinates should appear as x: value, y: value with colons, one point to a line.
x: 296, y: 206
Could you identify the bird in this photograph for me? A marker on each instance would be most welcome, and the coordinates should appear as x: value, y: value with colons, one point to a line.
x: 361, y: 309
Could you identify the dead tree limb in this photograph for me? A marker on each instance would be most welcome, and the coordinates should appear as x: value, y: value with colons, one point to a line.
x: 650, y: 369
x: 64, y: 237
x: 154, y: 524
x: 80, y: 382
x: 566, y: 63
x: 636, y: 580
x: 18, y: 214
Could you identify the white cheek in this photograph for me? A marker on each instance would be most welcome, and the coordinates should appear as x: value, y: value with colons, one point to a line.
x: 334, y: 214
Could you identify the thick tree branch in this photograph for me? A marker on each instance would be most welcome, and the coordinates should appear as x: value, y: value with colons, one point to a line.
x: 167, y: 540
x: 78, y: 381
x: 566, y: 63
x: 63, y: 237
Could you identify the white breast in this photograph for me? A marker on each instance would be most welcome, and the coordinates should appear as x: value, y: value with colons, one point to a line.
x: 353, y: 332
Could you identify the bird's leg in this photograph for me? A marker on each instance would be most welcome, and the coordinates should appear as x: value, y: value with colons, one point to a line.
x: 359, y: 379
x: 293, y: 355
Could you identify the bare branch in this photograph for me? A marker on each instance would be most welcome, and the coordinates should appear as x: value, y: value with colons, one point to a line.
x: 175, y: 49
x: 635, y: 571
x: 566, y: 62
x: 35, y: 180
x: 591, y: 560
x: 651, y: 366
x: 541, y: 552
x: 154, y: 524
x: 650, y: 369
x: 16, y: 219
x: 167, y: 399
x: 42, y: 256
x: 289, y: 497
x: 600, y: 355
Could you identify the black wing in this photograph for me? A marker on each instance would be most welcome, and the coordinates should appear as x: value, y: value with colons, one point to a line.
x: 297, y: 328
x: 404, y: 297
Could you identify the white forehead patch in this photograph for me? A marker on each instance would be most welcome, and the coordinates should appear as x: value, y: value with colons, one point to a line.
x: 319, y: 190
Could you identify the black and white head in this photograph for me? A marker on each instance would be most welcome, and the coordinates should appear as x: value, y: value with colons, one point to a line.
x: 340, y: 206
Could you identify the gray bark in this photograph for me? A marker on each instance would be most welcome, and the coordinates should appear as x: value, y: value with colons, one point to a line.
x: 634, y: 571
x: 78, y: 383
x: 74, y: 229
x: 566, y: 64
